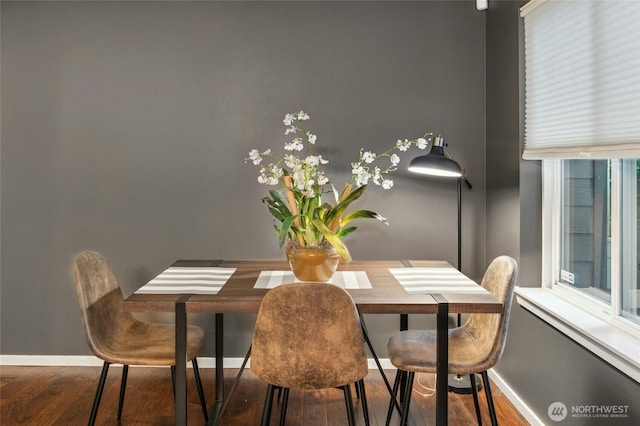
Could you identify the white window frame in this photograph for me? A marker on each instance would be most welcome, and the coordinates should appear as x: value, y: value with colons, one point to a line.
x: 596, y: 325
x: 629, y: 216
x: 552, y: 229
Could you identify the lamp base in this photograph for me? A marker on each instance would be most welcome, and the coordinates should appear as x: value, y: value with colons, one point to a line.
x: 462, y: 384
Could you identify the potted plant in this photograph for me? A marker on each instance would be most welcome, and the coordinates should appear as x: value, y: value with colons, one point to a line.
x: 310, y: 215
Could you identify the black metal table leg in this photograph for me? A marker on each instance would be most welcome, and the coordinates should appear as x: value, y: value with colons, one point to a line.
x: 181, y: 360
x: 404, y: 325
x: 442, y: 360
x: 404, y: 322
x: 219, y: 341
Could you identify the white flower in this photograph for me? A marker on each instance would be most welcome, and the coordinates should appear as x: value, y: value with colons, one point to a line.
x: 288, y: 119
x: 403, y: 145
x: 322, y: 179
x: 295, y: 145
x: 376, y: 175
x: 369, y: 157
x: 290, y: 160
x: 312, y: 138
x: 270, y: 175
x: 422, y: 143
x: 387, y: 183
x: 361, y: 174
x: 303, y: 115
x: 312, y: 160
x: 291, y: 129
x: 308, y: 190
x: 254, y: 155
x: 273, y: 181
x: 395, y: 159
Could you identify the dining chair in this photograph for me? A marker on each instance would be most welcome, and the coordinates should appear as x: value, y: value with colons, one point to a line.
x: 117, y: 337
x: 474, y: 347
x: 308, y: 336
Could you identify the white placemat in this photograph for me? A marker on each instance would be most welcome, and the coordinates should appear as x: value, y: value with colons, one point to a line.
x: 188, y: 280
x: 435, y: 280
x: 344, y: 279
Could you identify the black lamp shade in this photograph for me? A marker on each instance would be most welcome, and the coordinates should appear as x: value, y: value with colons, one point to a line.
x: 436, y: 163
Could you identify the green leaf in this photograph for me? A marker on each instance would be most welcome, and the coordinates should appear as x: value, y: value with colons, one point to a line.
x: 346, y: 231
x: 340, y: 208
x: 284, y: 231
x: 277, y: 207
x: 363, y: 214
x: 333, y: 239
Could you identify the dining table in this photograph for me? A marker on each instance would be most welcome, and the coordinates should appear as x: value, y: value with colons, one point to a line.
x: 376, y: 286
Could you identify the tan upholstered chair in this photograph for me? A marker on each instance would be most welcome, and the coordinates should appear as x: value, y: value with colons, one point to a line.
x: 116, y: 337
x: 308, y: 336
x: 474, y: 347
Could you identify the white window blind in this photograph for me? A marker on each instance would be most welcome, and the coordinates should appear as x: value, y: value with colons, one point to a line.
x: 582, y: 79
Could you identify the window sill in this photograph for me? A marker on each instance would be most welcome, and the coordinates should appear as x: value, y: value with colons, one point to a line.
x: 614, y: 345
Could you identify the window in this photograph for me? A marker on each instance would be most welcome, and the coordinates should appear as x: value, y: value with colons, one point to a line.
x: 581, y: 118
x: 630, y: 241
x: 593, y: 235
x: 590, y: 257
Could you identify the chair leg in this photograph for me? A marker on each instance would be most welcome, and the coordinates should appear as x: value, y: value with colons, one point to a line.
x: 123, y: 387
x: 487, y: 392
x: 392, y: 402
x: 196, y: 373
x: 476, y: 403
x: 363, y: 399
x: 283, y: 407
x: 96, y: 400
x: 407, y: 398
x: 266, y: 411
x: 349, y: 403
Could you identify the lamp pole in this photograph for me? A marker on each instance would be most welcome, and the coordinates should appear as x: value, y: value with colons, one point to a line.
x: 461, y: 179
x: 459, y: 230
x: 457, y: 383
x: 438, y: 163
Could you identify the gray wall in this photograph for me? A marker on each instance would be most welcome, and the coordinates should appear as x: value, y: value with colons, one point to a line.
x: 125, y: 126
x: 542, y: 365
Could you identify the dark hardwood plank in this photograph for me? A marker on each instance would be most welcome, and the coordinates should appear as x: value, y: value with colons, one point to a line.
x: 63, y: 396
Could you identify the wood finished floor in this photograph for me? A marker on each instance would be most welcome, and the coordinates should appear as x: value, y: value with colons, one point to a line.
x: 64, y: 395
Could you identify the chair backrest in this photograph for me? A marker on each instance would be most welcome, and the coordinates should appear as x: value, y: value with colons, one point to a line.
x: 308, y: 336
x: 490, y: 330
x: 100, y: 299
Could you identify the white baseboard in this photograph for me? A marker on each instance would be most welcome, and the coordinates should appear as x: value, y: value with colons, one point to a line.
x: 51, y: 360
x: 210, y: 362
x: 92, y: 361
x: 515, y: 399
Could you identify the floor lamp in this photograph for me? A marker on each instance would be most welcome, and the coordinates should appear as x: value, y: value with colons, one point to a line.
x: 436, y: 163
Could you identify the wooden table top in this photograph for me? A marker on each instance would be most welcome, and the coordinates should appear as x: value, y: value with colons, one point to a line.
x: 386, y: 295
